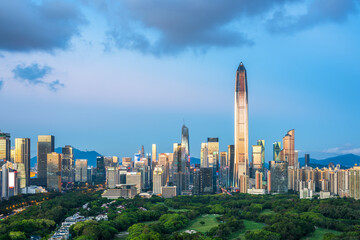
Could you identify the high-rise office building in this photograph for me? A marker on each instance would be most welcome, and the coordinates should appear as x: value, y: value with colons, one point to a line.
x: 206, y: 180
x: 224, y: 169
x: 288, y: 152
x: 256, y: 163
x: 213, y: 156
x: 81, y: 166
x: 5, y: 147
x: 53, y: 171
x: 354, y: 182
x: 142, y: 152
x: 307, y: 160
x: 135, y: 178
x: 22, y: 156
x: 231, y: 164
x: 45, y: 146
x: 180, y: 171
x: 262, y: 144
x: 164, y: 163
x: 196, y: 185
x: 258, y: 179
x: 279, y: 176
x: 126, y: 162
x: 276, y: 151
x: 112, y: 177
x: 204, y: 161
x: 241, y: 170
x: 12, y: 154
x: 185, y: 139
x: 153, y: 154
x: 213, y: 152
x: 100, y: 170
x: 158, y: 180
x: 67, y: 165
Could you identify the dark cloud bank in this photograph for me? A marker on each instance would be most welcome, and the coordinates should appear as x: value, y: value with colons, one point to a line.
x: 200, y: 24
x: 27, y: 25
x: 160, y: 27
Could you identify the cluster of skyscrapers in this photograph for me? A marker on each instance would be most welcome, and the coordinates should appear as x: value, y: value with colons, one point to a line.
x: 171, y: 174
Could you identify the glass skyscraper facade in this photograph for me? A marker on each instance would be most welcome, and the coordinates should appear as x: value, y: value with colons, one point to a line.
x: 45, y: 146
x: 241, y: 169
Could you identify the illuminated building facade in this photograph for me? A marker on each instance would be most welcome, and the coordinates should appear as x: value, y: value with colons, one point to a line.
x: 288, y: 152
x: 153, y: 153
x: 5, y: 147
x: 241, y: 169
x: 22, y: 156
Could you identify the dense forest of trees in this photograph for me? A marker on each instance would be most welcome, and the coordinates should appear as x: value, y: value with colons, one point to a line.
x: 157, y: 218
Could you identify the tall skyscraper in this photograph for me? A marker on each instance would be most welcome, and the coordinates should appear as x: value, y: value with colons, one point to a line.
x: 5, y: 147
x: 100, y: 170
x: 204, y: 161
x: 142, y: 153
x: 288, y: 152
x: 256, y: 164
x: 53, y: 171
x: 241, y: 170
x: 45, y: 146
x: 279, y: 176
x: 213, y: 158
x: 22, y: 157
x: 185, y: 139
x: 181, y: 172
x: 224, y: 169
x: 67, y: 165
x: 81, y: 166
x: 158, y: 180
x: 153, y: 154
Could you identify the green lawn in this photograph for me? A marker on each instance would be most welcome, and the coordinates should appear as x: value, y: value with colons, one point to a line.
x: 249, y: 226
x: 319, y: 234
x: 172, y: 209
x: 209, y: 219
x: 267, y: 212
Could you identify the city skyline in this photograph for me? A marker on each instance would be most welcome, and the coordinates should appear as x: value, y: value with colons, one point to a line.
x: 110, y: 104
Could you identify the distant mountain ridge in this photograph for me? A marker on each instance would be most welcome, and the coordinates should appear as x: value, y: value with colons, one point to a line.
x: 347, y: 160
x: 78, y: 154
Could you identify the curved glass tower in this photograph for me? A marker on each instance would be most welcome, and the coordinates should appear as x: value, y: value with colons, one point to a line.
x: 241, y: 163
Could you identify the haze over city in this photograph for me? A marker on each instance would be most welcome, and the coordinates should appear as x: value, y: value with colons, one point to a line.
x: 111, y: 76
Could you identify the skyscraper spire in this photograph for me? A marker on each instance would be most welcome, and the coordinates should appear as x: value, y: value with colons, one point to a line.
x: 241, y: 128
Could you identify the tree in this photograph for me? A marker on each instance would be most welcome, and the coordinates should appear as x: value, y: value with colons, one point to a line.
x: 17, y: 236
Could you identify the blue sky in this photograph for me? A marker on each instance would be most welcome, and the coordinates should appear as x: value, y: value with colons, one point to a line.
x: 114, y: 75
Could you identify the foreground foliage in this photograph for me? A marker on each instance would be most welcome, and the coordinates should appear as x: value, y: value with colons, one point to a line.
x: 280, y: 217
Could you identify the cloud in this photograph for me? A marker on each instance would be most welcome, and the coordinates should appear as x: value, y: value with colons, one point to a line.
x: 43, y: 25
x: 345, y: 149
x: 318, y: 12
x: 169, y: 27
x: 34, y: 74
x: 332, y: 150
x: 55, y: 85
